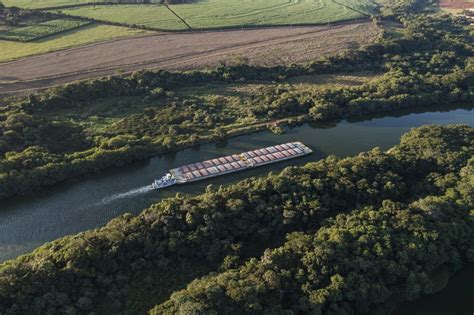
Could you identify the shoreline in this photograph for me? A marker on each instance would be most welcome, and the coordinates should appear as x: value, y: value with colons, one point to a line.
x: 294, y: 121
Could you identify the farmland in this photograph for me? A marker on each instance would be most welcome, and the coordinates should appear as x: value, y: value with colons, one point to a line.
x: 217, y: 13
x: 41, y: 30
x: 77, y: 37
x: 152, y: 16
x: 456, y: 6
x: 203, y: 15
x: 224, y: 14
x: 186, y: 51
x: 39, y: 4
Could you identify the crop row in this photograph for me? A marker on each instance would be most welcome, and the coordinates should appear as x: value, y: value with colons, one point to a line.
x: 40, y: 30
x: 214, y: 14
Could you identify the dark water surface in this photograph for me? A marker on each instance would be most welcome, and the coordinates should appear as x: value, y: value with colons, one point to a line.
x: 91, y: 202
x: 456, y: 299
x: 88, y: 203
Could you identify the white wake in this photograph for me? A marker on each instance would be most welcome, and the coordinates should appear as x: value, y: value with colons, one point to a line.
x: 133, y: 192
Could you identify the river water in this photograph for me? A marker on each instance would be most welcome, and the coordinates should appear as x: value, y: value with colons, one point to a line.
x: 457, y: 298
x: 90, y: 202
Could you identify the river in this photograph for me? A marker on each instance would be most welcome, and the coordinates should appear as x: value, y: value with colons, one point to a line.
x: 26, y: 223
x: 457, y: 298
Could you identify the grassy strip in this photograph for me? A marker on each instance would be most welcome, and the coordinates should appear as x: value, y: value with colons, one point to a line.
x: 31, y: 4
x: 72, y: 6
x: 88, y: 34
x: 366, y: 8
x: 215, y: 14
x: 54, y: 4
x: 43, y: 30
x: 148, y: 17
x: 224, y: 14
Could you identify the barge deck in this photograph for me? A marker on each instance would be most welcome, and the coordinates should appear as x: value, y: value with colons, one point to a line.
x: 232, y: 163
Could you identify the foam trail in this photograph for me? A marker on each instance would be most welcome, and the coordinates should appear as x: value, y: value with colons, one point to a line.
x: 129, y: 193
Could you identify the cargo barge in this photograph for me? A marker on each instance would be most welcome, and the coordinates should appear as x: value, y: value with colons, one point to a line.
x: 231, y: 164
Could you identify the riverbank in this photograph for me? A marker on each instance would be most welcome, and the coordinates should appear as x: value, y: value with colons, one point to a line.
x: 222, y: 228
x: 72, y: 130
x: 144, y: 152
x: 91, y: 201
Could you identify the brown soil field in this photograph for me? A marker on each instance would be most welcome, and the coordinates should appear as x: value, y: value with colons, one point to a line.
x: 456, y: 4
x: 193, y: 50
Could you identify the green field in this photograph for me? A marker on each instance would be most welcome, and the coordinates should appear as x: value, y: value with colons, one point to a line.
x: 216, y: 8
x: 225, y: 13
x: 212, y: 13
x: 148, y: 15
x: 38, y: 4
x: 85, y: 35
x: 207, y: 14
x: 228, y: 13
x: 41, y: 30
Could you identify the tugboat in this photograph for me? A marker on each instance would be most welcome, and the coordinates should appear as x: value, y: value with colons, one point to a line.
x: 165, y: 181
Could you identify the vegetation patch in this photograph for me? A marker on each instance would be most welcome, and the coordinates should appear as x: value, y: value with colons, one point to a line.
x: 41, y: 30
x: 456, y: 4
x: 77, y: 37
x: 26, y: 32
x: 294, y: 49
x: 312, y: 273
x: 122, y: 119
x: 337, y: 236
x: 212, y: 14
x: 147, y: 16
x: 259, y: 47
x: 161, y: 120
x: 333, y: 81
x: 358, y: 231
x: 41, y: 4
x: 224, y: 13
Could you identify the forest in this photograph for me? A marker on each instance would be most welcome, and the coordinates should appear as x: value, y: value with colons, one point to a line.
x: 336, y: 236
x: 303, y: 240
x: 429, y: 64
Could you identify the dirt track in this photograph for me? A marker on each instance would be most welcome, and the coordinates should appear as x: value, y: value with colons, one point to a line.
x: 456, y: 4
x: 181, y: 51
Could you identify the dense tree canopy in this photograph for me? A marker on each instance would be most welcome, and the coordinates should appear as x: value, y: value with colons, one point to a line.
x: 337, y: 236
x: 353, y: 262
x: 429, y: 64
x: 136, y: 262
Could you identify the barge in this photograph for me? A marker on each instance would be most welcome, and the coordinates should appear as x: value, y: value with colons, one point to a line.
x: 231, y: 164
